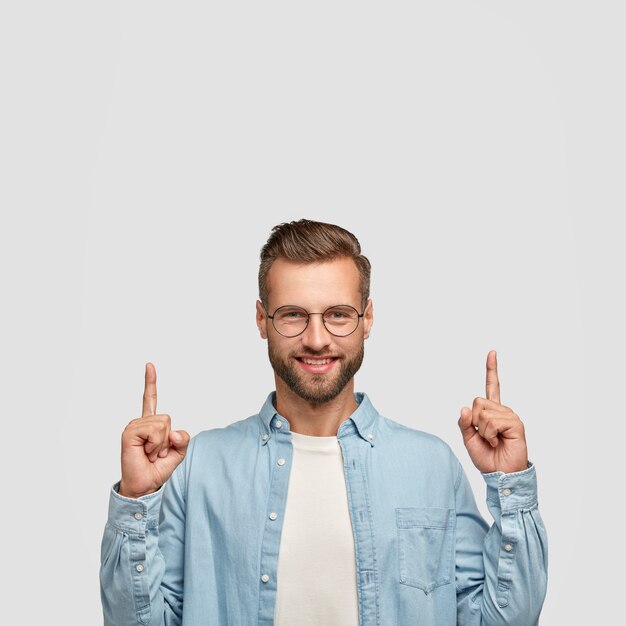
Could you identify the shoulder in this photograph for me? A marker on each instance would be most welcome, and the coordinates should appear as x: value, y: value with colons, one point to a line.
x: 418, y: 444
x: 400, y: 436
x: 213, y: 453
x: 399, y: 431
x: 235, y: 434
x: 212, y: 450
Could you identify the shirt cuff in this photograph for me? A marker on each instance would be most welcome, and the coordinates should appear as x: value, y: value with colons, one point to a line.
x: 134, y: 515
x: 512, y: 492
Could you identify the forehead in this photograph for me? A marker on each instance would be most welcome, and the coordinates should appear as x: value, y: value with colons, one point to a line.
x: 313, y: 285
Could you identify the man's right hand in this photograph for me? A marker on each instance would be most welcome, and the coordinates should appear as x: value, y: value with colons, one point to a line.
x: 150, y: 450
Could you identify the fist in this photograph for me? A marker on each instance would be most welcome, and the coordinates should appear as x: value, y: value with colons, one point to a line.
x: 151, y: 451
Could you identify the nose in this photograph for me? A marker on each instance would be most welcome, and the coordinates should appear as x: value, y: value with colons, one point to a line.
x: 316, y: 337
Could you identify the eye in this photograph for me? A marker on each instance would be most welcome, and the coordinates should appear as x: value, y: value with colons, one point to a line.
x: 337, y: 315
x: 293, y: 315
x: 290, y: 314
x: 340, y: 315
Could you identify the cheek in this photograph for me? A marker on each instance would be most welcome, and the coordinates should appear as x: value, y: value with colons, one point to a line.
x: 352, y: 347
x: 280, y: 348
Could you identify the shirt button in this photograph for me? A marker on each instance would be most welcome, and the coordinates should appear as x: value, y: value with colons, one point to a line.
x: 265, y: 578
x: 278, y: 424
x: 508, y: 547
x: 273, y: 516
x: 281, y: 461
x: 138, y: 515
x: 265, y: 437
x: 506, y: 492
x: 370, y: 437
x: 139, y: 568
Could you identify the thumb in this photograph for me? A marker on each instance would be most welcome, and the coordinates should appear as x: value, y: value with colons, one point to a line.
x: 465, y: 424
x: 179, y: 439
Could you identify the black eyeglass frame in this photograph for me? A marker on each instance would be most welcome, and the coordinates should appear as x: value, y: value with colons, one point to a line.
x: 295, y: 306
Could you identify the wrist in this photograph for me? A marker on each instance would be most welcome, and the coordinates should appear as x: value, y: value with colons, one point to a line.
x: 123, y: 491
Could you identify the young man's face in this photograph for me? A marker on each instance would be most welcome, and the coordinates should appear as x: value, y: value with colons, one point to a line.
x: 315, y: 287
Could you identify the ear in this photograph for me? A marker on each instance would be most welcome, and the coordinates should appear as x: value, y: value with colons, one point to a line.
x: 368, y: 318
x: 261, y: 319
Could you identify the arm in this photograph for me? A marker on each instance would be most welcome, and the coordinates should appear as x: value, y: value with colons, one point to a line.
x: 146, y: 525
x: 501, y: 574
x: 514, y: 552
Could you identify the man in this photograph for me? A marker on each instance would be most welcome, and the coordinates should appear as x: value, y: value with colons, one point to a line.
x: 318, y: 510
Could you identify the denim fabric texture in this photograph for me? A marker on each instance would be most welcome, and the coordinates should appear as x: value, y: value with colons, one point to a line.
x: 203, y: 550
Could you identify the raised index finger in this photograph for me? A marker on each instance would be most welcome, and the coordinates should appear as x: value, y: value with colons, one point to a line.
x: 493, y: 383
x: 149, y: 392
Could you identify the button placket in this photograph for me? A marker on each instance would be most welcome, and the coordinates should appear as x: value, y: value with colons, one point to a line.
x: 281, y: 454
x: 352, y: 449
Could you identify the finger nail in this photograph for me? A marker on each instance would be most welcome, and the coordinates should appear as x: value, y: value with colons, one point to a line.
x: 163, y: 453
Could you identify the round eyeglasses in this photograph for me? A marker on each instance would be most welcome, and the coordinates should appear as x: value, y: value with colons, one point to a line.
x: 341, y: 320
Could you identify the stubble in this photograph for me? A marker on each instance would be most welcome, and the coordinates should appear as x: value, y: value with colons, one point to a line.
x: 315, y: 388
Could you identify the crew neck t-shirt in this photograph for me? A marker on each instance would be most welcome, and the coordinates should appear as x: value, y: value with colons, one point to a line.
x: 316, y: 584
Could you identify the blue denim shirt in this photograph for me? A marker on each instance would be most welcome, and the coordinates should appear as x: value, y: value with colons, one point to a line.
x: 203, y: 550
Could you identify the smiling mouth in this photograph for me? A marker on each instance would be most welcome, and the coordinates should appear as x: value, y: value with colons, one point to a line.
x: 317, y: 365
x: 310, y: 361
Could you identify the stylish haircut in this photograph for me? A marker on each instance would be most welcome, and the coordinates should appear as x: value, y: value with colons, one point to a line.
x: 306, y: 241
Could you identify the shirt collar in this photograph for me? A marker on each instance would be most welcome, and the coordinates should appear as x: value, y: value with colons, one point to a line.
x: 363, y: 420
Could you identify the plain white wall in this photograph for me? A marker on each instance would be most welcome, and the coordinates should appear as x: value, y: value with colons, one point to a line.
x: 475, y: 148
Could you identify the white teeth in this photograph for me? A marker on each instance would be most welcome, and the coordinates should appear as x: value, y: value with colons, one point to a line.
x: 318, y: 362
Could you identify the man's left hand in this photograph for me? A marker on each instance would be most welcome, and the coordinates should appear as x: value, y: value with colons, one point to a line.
x: 493, y: 434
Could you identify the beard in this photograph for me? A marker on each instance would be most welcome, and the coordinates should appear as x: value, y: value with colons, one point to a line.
x: 316, y: 388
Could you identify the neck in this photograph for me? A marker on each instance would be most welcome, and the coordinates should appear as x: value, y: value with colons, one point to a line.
x: 319, y: 420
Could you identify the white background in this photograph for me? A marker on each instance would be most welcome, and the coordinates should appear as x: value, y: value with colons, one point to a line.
x: 147, y: 148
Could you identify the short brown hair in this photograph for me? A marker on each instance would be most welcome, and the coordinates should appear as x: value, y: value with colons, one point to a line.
x: 306, y: 241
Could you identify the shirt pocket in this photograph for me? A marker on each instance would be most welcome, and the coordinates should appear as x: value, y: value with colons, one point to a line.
x: 425, y: 546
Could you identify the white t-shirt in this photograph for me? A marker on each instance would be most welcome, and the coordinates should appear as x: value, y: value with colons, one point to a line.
x: 316, y: 583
